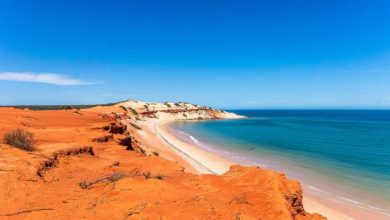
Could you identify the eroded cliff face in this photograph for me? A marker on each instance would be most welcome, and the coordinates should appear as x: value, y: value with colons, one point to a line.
x: 177, y: 111
x: 82, y: 170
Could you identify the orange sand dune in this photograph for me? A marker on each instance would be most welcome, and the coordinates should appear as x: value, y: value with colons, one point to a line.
x: 70, y: 176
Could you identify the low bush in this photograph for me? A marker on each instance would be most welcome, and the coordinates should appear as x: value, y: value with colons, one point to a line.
x: 133, y: 111
x: 135, y: 126
x: 21, y: 139
x: 124, y: 108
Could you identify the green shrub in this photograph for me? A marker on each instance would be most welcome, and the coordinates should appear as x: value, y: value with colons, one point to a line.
x: 135, y: 126
x: 133, y: 111
x: 123, y: 107
x: 21, y: 139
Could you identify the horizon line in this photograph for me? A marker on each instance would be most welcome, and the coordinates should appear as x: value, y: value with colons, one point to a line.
x: 222, y: 108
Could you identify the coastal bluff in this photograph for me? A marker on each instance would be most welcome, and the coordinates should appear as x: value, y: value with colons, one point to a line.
x: 106, y: 162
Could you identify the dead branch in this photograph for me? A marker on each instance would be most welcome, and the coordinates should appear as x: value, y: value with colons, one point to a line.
x: 111, y: 178
x: 27, y: 211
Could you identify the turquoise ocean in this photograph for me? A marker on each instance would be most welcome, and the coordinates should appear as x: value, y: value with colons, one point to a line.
x: 342, y: 154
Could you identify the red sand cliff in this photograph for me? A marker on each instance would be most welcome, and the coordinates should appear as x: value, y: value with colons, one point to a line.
x: 81, y: 171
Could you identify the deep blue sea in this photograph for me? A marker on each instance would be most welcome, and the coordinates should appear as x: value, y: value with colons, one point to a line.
x: 339, y: 152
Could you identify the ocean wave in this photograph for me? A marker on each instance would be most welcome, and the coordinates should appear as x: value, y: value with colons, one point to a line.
x: 318, y: 190
x: 376, y: 208
x: 194, y: 139
x: 340, y: 197
x: 356, y: 203
x: 227, y: 152
x: 259, y: 164
x: 350, y: 200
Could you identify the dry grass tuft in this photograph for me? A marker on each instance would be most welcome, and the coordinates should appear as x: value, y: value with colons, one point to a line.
x: 21, y: 139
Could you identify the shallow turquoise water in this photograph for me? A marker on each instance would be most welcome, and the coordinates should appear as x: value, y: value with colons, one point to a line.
x: 338, y: 149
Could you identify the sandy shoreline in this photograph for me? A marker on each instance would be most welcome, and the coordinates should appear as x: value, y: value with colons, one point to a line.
x: 204, y: 161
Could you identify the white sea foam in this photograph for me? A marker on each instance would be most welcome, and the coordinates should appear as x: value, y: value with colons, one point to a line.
x: 227, y: 152
x: 385, y: 213
x: 189, y: 138
x: 259, y: 164
x: 356, y: 203
x: 194, y: 139
x: 350, y: 200
x: 318, y: 190
x: 376, y: 208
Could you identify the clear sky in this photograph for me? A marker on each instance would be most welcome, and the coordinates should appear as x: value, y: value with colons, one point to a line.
x: 227, y: 54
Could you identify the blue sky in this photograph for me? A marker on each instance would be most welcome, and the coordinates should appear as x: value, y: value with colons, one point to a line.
x: 227, y: 54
